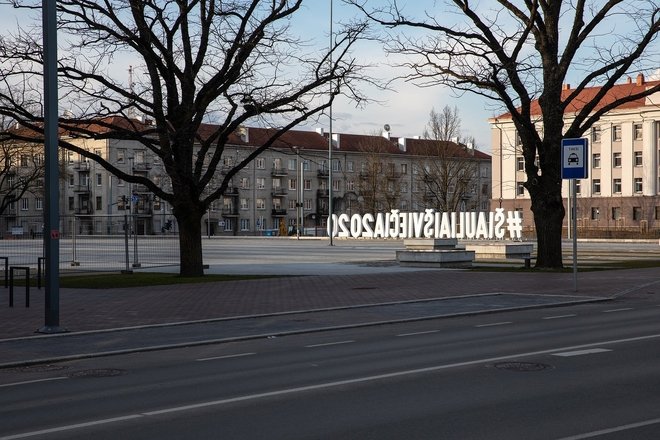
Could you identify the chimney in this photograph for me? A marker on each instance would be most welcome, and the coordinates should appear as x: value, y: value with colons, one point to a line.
x: 402, y: 144
x: 566, y: 87
x: 244, y: 134
x: 336, y: 140
x: 640, y: 79
x: 320, y: 131
x: 628, y: 80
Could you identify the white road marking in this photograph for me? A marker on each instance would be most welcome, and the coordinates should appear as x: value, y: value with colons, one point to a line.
x: 417, y: 333
x: 328, y: 385
x: 27, y: 382
x: 559, y: 316
x: 611, y: 430
x: 228, y: 356
x: 618, y: 310
x: 494, y: 324
x: 581, y: 352
x: 328, y: 344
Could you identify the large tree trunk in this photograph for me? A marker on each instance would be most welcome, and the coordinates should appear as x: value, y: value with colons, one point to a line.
x: 548, y: 209
x: 190, y: 242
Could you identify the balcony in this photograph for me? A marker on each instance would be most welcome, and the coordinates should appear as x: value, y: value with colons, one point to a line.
x: 323, y: 174
x: 322, y: 193
x: 81, y: 188
x: 231, y: 192
x: 279, y: 172
x: 140, y: 189
x: 322, y: 211
x: 81, y: 165
x: 142, y: 166
x: 84, y: 210
x: 228, y: 211
x: 279, y: 192
x: 278, y: 212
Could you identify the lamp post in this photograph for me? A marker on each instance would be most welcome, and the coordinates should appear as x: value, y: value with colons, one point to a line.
x: 330, y: 225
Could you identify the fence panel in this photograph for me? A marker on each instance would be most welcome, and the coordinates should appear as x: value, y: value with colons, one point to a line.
x: 98, y: 243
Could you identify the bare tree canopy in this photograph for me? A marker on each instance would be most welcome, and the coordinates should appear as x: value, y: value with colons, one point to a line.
x: 200, y: 70
x: 518, y: 55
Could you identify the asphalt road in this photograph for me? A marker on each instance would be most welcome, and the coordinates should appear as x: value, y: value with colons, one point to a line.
x: 583, y: 371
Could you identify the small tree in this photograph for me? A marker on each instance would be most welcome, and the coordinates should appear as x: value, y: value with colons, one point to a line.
x: 518, y: 55
x: 194, y: 61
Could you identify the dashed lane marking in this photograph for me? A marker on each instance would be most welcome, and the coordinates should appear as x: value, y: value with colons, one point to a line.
x: 327, y: 344
x: 228, y: 356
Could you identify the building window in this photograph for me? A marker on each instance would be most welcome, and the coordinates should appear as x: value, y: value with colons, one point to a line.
x: 336, y: 185
x: 229, y: 226
x: 99, y: 179
x: 245, y: 183
x: 637, y: 132
x: 121, y: 156
x: 404, y: 187
x: 616, y: 186
x: 293, y: 203
x: 25, y: 204
x: 336, y: 165
x: 520, y: 164
x: 350, y: 185
x: 596, y: 186
x: 350, y: 166
x: 305, y: 165
x: 277, y: 183
x: 657, y: 213
x: 99, y: 203
x: 616, y: 133
x: 260, y: 163
x: 261, y: 183
x: 157, y: 204
x: 71, y: 204
x: 518, y: 138
x: 308, y: 204
x: 293, y: 184
x: 616, y: 160
x: 245, y: 203
x: 293, y: 165
x: 595, y: 160
x: 638, y: 184
x: 404, y: 168
x: 520, y: 189
x: 307, y: 184
x: 245, y: 224
x: 72, y: 180
x: 595, y: 134
x: 261, y: 204
x: 616, y: 213
x: 638, y: 159
x: 637, y: 213
x: 39, y: 204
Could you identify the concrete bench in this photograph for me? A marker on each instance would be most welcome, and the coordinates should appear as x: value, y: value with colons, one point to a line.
x: 503, y: 250
x: 434, y: 252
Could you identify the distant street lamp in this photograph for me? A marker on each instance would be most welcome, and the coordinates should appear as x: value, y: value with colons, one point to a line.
x: 330, y: 139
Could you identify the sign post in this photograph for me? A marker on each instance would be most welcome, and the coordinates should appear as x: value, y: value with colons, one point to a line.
x: 574, y: 166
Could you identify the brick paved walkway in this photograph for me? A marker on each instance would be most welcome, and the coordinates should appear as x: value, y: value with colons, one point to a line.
x: 84, y: 309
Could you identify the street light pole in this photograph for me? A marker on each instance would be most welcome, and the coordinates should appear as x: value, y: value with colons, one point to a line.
x: 330, y: 225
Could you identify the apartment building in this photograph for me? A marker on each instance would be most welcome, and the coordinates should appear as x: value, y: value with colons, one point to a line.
x: 621, y: 196
x: 285, y: 189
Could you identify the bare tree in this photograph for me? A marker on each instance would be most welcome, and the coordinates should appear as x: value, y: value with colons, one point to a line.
x: 447, y: 168
x: 21, y: 172
x: 444, y: 125
x: 194, y: 61
x: 518, y: 55
x: 379, y: 184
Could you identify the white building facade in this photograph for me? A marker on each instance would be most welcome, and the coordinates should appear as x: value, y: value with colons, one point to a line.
x: 621, y: 196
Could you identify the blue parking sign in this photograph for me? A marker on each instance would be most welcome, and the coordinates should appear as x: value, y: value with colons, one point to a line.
x: 574, y: 158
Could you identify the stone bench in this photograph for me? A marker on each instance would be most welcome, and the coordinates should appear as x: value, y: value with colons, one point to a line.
x: 503, y: 250
x: 430, y: 252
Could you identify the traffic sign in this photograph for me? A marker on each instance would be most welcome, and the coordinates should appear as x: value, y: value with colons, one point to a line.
x: 574, y: 158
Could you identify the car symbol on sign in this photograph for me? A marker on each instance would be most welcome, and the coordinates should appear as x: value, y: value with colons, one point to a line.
x: 573, y: 158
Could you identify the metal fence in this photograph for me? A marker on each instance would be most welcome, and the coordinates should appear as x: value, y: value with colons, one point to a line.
x: 90, y: 243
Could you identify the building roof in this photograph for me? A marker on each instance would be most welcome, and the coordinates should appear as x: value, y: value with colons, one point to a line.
x: 302, y: 139
x: 588, y: 94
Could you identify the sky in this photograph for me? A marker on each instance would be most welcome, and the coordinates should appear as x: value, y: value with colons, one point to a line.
x: 406, y: 107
